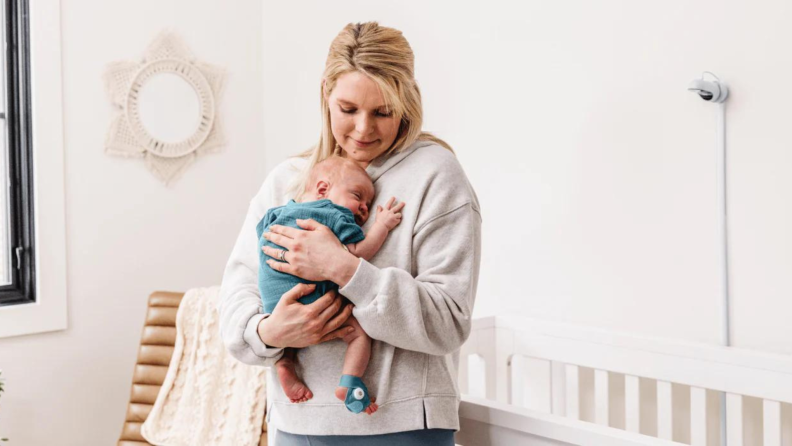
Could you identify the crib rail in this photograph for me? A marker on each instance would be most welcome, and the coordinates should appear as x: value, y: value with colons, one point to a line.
x: 490, y: 423
x: 503, y: 351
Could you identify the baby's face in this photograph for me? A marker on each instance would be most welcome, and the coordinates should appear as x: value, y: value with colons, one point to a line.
x: 354, y: 193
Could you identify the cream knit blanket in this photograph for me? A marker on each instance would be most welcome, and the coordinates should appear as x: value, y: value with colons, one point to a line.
x: 208, y: 397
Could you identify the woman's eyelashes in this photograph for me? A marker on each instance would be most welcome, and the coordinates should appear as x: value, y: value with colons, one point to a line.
x: 352, y: 111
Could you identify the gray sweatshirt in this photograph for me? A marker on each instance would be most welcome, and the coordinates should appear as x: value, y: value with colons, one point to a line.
x: 414, y: 299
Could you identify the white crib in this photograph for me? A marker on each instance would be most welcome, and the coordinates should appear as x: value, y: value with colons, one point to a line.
x: 534, y: 382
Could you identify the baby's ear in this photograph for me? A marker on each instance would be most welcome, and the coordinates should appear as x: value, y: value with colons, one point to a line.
x: 322, y: 188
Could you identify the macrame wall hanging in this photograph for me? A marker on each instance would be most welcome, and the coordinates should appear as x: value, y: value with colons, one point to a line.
x: 166, y: 108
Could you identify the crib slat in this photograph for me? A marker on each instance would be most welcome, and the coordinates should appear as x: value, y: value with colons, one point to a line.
x: 503, y: 346
x: 632, y: 404
x: 772, y: 422
x: 517, y: 379
x: 464, y: 353
x: 698, y: 416
x: 557, y: 389
x: 477, y: 376
x: 492, y: 369
x: 601, y: 393
x: 734, y: 417
x: 572, y: 382
x: 463, y: 374
x: 664, y: 406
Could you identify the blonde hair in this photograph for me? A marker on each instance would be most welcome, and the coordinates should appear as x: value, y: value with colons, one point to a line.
x: 385, y: 56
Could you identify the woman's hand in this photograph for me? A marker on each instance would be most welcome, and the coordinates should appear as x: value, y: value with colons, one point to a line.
x: 312, y: 254
x: 293, y: 324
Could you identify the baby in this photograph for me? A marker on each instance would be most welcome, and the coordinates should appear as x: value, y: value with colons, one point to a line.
x: 338, y: 194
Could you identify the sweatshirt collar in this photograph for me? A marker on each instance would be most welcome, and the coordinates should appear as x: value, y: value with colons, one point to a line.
x: 383, y: 163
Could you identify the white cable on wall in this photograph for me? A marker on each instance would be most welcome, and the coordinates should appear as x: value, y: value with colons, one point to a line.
x: 717, y: 92
x: 722, y: 234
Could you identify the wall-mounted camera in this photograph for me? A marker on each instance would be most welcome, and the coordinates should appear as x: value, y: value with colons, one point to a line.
x: 711, y: 91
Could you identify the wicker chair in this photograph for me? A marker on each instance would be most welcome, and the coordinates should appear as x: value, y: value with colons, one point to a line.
x: 156, y: 349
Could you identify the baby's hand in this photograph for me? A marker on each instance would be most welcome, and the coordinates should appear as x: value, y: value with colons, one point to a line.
x: 390, y: 215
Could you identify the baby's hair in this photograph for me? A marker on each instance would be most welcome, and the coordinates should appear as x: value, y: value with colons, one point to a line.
x: 334, y: 168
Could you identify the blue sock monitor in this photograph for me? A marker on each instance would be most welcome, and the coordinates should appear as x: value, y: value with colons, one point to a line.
x: 357, y: 397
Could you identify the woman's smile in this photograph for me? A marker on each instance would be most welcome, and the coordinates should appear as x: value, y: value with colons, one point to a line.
x: 363, y: 143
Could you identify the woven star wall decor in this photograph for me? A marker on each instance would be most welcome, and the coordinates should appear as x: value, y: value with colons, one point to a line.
x: 129, y: 135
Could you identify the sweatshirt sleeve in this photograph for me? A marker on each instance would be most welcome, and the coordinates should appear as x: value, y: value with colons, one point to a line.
x: 429, y: 310
x: 240, y: 307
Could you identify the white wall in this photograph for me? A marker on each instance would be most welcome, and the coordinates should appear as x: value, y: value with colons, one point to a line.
x: 594, y: 166
x: 128, y: 234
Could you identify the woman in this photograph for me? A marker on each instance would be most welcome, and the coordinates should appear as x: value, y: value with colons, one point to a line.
x: 414, y: 298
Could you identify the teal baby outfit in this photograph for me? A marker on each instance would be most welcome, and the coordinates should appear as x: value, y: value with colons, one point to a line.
x: 273, y: 284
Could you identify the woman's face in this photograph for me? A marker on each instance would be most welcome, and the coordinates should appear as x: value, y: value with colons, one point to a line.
x: 360, y: 123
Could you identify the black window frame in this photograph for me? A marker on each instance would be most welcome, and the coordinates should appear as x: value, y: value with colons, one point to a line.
x: 19, y: 133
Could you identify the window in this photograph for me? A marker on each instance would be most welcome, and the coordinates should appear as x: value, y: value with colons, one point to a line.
x: 17, y: 273
x: 44, y: 209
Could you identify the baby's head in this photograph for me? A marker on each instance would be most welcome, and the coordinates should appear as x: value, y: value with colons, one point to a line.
x: 343, y: 182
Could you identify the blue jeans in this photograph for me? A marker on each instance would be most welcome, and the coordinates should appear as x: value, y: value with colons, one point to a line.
x: 424, y: 437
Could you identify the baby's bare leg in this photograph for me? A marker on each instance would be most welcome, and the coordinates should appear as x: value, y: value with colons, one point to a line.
x: 292, y: 385
x: 356, y: 359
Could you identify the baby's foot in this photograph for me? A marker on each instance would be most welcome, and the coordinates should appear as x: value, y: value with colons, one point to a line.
x: 292, y: 385
x: 341, y: 392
